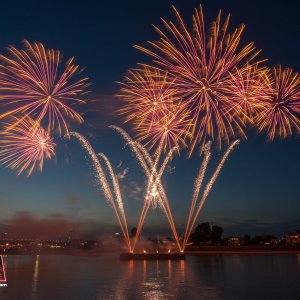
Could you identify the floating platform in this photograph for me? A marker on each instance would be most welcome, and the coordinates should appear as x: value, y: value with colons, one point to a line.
x: 152, y: 256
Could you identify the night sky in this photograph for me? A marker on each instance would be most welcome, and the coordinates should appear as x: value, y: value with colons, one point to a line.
x: 257, y: 192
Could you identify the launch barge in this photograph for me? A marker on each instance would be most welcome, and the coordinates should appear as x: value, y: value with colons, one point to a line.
x: 152, y: 256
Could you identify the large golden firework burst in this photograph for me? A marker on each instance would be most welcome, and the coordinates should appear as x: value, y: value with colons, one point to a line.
x: 201, y: 62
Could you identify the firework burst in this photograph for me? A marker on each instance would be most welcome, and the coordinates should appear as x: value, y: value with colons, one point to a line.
x: 151, y: 106
x: 25, y: 146
x: 248, y: 89
x: 200, y: 65
x: 279, y: 116
x: 34, y: 83
x: 171, y: 126
x: 146, y: 94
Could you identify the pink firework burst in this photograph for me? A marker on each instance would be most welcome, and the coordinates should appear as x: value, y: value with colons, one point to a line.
x: 279, y: 116
x: 33, y: 82
x: 26, y: 146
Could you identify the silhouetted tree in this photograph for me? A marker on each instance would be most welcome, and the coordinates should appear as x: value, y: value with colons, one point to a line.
x: 247, y: 239
x: 202, y: 234
x: 133, y: 231
x: 216, y: 234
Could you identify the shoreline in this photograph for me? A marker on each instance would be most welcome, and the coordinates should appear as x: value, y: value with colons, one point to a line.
x: 243, y: 252
x: 190, y: 251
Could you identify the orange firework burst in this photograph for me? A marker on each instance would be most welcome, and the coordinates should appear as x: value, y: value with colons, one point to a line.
x: 171, y: 126
x: 248, y: 89
x: 153, y: 109
x: 33, y: 83
x: 280, y: 114
x: 146, y: 93
x: 25, y: 146
x: 200, y: 65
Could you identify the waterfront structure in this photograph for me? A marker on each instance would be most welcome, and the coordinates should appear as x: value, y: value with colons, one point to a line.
x: 293, y: 238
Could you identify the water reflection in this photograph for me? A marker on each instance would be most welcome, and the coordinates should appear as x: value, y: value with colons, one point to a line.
x: 35, y: 278
x: 170, y: 270
x: 153, y: 287
x: 207, y: 278
x: 159, y: 280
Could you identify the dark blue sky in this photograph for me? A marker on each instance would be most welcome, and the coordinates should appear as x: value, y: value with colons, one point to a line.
x: 257, y: 191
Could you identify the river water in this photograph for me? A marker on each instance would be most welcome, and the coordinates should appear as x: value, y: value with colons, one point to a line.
x: 58, y: 277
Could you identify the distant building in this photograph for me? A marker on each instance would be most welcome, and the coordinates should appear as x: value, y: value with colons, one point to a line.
x: 273, y: 242
x: 235, y: 241
x: 293, y: 238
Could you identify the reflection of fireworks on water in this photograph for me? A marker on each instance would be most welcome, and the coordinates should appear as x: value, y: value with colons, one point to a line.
x: 26, y: 146
x: 33, y: 83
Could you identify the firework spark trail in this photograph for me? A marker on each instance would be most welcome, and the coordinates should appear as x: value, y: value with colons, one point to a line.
x: 26, y: 146
x: 147, y: 202
x: 209, y: 186
x: 133, y: 146
x: 114, y: 181
x: 140, y: 158
x: 197, y: 186
x: 160, y: 173
x: 98, y: 170
x: 142, y: 154
x: 163, y: 200
x: 137, y: 148
x: 116, y: 191
x: 147, y: 163
x: 164, y: 165
x: 157, y: 156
